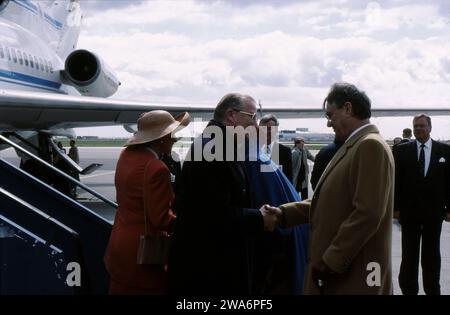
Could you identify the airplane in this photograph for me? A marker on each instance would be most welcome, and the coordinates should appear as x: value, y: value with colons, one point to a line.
x: 48, y: 87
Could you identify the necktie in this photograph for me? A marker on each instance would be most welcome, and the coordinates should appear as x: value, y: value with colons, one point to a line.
x: 268, y: 150
x: 422, y: 160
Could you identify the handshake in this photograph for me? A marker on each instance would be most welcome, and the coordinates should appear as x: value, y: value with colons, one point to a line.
x: 271, y: 216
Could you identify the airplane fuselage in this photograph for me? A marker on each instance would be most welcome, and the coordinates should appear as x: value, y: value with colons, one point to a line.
x: 26, y: 62
x: 34, y: 40
x: 38, y: 54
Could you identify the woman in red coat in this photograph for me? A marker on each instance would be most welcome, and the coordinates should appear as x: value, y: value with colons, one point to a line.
x: 142, y: 184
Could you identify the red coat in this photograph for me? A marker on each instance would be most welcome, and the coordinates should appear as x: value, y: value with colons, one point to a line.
x: 121, y: 253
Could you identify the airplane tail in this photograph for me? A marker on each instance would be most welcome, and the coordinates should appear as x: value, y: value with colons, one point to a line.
x: 56, y: 22
x: 66, y: 16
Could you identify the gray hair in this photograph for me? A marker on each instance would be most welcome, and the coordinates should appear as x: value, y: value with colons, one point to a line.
x: 230, y: 101
x: 269, y: 117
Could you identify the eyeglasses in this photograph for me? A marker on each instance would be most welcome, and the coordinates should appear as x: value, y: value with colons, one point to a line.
x: 252, y: 115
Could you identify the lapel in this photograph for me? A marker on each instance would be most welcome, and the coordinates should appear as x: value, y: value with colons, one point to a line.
x: 304, y: 156
x: 434, y: 158
x: 342, y: 152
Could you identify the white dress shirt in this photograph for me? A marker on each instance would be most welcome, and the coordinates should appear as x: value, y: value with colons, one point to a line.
x: 356, y: 130
x: 427, y: 151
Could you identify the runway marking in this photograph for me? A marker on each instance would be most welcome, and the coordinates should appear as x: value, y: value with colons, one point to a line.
x: 97, y: 175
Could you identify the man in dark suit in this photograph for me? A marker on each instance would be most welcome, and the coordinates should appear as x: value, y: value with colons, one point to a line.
x: 279, y: 153
x: 407, y: 135
x: 422, y: 193
x: 322, y: 159
x: 212, y: 243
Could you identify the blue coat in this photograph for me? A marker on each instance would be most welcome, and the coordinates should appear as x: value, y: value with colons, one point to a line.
x: 270, y: 186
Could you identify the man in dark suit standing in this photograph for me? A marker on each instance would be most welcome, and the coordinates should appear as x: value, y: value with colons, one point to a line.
x: 407, y: 135
x: 280, y: 154
x: 322, y: 159
x: 422, y: 193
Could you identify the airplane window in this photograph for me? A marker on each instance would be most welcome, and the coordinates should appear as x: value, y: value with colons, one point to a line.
x: 14, y: 55
x: 8, y: 53
x: 51, y: 67
x: 41, y: 63
x: 46, y: 65
x: 36, y: 62
x: 31, y: 61
x: 25, y: 58
x: 19, y: 54
x: 2, y: 54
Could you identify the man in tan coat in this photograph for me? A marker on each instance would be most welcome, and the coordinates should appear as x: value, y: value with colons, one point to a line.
x: 350, y: 213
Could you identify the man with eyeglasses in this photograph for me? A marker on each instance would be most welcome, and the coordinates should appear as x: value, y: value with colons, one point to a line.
x: 350, y: 213
x: 211, y: 250
x: 251, y: 115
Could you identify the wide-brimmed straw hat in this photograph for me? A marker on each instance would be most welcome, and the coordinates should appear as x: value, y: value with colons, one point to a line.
x: 157, y: 124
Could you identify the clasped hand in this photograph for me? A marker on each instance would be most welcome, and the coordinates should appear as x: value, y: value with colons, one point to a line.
x: 271, y: 217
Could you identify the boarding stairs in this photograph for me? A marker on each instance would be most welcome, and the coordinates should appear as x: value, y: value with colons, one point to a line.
x: 49, y: 242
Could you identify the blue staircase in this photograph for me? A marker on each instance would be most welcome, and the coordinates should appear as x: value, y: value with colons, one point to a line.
x: 42, y: 234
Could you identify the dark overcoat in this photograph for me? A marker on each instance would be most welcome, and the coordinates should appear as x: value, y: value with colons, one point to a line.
x: 214, y: 233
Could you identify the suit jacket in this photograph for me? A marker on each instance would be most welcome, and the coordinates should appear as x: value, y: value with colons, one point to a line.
x: 142, y: 184
x: 211, y: 250
x: 418, y: 198
x: 350, y: 216
x: 281, y: 155
x: 304, y: 155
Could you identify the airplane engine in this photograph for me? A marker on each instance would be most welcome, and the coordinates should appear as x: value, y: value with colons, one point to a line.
x: 89, y: 74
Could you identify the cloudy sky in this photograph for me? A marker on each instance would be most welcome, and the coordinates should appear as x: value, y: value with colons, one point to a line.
x: 284, y: 53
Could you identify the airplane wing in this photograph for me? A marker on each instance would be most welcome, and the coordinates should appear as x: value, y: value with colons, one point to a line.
x: 42, y: 111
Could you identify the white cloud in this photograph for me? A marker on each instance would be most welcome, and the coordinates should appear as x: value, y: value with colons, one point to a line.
x: 288, y: 54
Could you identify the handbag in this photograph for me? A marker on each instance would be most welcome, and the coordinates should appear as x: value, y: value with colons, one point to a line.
x: 152, y: 249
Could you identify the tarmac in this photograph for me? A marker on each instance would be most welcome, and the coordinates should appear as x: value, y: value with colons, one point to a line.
x: 102, y: 181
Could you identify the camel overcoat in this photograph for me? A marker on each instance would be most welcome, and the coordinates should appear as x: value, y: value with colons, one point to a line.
x: 350, y: 216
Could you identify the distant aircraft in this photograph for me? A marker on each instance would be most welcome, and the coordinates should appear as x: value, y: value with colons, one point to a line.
x: 48, y: 87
